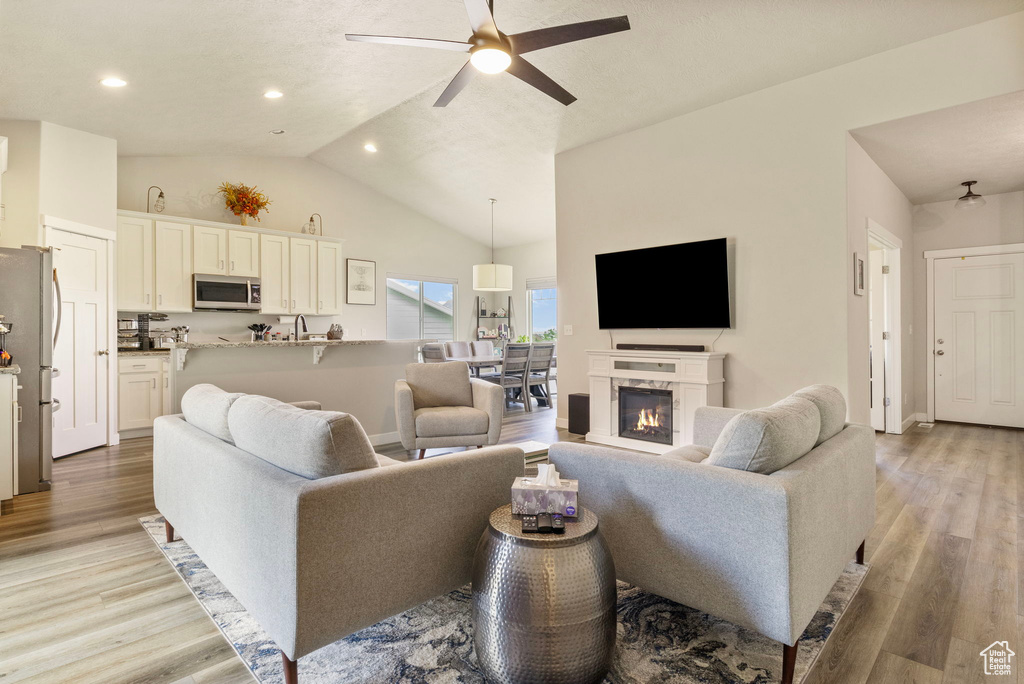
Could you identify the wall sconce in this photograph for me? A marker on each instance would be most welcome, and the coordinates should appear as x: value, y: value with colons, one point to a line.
x: 311, y: 226
x: 160, y: 204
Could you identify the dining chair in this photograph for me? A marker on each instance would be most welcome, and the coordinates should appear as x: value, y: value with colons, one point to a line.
x: 541, y: 358
x: 433, y: 352
x: 458, y: 350
x: 484, y: 348
x: 514, y: 370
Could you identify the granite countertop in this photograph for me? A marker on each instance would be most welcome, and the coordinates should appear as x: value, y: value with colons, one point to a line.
x: 13, y: 369
x: 150, y: 352
x: 283, y: 343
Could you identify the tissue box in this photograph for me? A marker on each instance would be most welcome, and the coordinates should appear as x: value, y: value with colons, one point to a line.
x: 529, y: 498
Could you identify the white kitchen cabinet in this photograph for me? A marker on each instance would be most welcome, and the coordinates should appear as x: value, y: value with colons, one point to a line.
x: 10, y: 416
x: 303, y: 276
x: 165, y: 383
x: 173, y: 247
x: 243, y: 253
x: 134, y: 264
x: 275, y: 280
x: 330, y: 278
x: 210, y: 250
x: 144, y: 389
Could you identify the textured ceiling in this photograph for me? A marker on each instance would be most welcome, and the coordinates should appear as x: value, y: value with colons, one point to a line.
x: 197, y: 70
x: 929, y: 155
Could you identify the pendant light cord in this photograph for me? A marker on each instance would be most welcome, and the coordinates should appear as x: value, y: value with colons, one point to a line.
x: 492, y: 201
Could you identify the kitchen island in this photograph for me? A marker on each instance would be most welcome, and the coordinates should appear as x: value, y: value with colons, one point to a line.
x: 354, y: 376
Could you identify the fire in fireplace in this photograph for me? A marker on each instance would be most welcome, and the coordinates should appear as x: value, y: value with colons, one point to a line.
x: 645, y: 414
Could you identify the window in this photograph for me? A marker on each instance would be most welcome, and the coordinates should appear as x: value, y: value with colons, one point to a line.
x: 543, y: 309
x: 420, y: 309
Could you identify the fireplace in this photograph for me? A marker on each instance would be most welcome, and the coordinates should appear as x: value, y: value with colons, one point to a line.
x: 645, y: 414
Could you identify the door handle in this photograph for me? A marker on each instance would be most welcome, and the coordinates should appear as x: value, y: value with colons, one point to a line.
x: 103, y: 352
x: 232, y: 266
x: 941, y: 341
x: 321, y: 304
x: 293, y: 303
x: 154, y: 383
x: 147, y: 300
x: 939, y: 352
x: 222, y: 264
x: 21, y: 412
x: 159, y: 300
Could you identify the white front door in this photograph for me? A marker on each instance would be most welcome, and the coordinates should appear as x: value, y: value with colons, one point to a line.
x: 81, y: 387
x: 979, y: 339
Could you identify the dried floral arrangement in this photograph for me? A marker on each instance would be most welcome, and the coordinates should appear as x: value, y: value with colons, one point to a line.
x: 243, y: 200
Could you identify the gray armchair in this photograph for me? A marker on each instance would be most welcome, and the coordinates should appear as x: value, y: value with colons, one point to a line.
x: 439, y: 405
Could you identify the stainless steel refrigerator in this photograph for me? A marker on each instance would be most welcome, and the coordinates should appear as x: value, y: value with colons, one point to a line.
x: 30, y: 298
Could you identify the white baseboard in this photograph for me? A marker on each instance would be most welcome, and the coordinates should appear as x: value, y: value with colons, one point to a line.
x: 132, y: 434
x: 908, y: 422
x: 384, y: 438
x: 921, y: 417
x: 562, y: 423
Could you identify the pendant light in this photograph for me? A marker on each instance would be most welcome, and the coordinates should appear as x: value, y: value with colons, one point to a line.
x: 971, y: 199
x: 492, y: 277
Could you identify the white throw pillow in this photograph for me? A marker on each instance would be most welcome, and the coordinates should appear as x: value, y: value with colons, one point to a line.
x: 206, y: 407
x: 767, y: 439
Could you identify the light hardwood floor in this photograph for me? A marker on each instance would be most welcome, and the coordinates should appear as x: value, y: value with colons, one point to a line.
x: 86, y: 597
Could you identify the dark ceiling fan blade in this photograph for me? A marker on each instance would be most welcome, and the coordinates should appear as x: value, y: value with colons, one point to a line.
x: 525, y: 71
x: 460, y: 81
x: 529, y: 41
x: 453, y: 45
x: 481, y: 19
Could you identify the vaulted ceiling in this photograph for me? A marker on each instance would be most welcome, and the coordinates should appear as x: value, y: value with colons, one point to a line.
x: 197, y: 70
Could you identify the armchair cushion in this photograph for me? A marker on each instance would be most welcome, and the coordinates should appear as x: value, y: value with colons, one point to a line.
x: 206, y: 406
x: 765, y: 440
x: 831, y: 405
x: 439, y: 384
x: 450, y: 421
x: 311, y: 444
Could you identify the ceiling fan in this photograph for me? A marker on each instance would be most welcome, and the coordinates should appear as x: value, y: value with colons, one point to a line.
x: 492, y: 51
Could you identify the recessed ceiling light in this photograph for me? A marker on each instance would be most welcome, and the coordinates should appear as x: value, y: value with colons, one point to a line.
x: 370, y: 147
x: 277, y: 131
x: 273, y: 94
x: 113, y: 82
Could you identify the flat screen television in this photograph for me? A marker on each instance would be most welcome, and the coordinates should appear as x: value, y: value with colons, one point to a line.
x: 673, y: 286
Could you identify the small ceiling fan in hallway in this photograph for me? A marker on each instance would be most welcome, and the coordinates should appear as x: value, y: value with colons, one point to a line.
x: 492, y: 51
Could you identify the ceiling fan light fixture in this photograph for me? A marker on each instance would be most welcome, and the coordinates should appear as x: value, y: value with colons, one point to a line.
x: 490, y: 60
x: 970, y: 199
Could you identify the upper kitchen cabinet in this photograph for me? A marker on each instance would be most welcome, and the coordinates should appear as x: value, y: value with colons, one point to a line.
x: 275, y: 279
x: 330, y: 278
x: 210, y: 250
x: 173, y: 246
x: 303, y: 275
x: 243, y: 253
x: 134, y: 264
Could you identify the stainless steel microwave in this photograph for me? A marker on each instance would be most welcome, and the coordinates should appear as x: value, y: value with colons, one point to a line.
x: 225, y: 293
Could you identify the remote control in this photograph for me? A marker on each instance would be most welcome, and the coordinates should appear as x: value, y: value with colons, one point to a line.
x: 557, y: 523
x: 544, y: 523
x: 529, y: 523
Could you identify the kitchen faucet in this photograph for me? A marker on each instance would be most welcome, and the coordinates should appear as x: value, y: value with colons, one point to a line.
x: 298, y: 336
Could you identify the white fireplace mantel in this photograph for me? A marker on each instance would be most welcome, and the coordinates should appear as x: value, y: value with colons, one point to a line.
x: 695, y: 379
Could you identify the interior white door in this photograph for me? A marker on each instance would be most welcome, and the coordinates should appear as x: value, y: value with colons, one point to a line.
x: 81, y: 354
x: 978, y: 345
x: 243, y: 253
x: 876, y: 327
x: 274, y: 274
x: 209, y: 250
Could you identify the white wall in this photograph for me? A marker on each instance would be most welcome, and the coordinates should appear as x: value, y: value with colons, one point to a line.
x: 21, y: 184
x: 375, y: 227
x: 532, y: 260
x: 941, y: 226
x: 767, y: 170
x: 871, y: 194
x: 56, y: 171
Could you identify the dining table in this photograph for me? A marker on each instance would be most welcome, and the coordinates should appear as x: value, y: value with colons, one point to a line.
x: 495, y: 361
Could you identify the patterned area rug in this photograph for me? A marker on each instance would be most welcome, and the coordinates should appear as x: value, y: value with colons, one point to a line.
x: 659, y: 642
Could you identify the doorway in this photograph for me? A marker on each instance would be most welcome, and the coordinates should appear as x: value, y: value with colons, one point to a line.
x: 884, y: 325
x: 975, y: 328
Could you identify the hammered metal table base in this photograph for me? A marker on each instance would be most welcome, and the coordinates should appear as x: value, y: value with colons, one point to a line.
x: 543, y: 605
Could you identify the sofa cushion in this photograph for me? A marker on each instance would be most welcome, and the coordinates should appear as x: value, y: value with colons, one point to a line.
x: 206, y: 407
x: 766, y: 439
x: 450, y: 421
x: 312, y: 444
x: 832, y: 407
x: 439, y: 384
x: 690, y: 452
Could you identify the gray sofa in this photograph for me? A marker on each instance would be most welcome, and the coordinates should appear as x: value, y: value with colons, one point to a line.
x: 753, y: 523
x: 315, y: 534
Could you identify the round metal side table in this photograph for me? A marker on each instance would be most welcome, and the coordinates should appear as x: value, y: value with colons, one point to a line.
x: 543, y: 604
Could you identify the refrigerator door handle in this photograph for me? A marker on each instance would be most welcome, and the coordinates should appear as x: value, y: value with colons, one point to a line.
x: 60, y: 308
x: 56, y: 404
